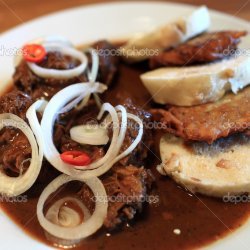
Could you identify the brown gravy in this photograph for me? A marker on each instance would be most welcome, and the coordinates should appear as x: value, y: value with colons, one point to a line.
x: 201, y: 220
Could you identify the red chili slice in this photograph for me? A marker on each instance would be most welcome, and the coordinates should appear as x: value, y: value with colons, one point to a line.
x: 76, y: 158
x: 33, y: 53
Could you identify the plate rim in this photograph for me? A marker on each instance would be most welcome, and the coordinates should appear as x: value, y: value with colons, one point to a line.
x: 99, y: 5
x: 215, y: 244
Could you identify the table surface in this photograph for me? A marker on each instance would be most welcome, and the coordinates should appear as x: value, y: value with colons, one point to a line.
x: 14, y: 12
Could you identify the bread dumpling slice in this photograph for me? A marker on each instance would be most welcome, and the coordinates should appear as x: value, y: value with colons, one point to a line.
x: 167, y: 36
x: 218, y: 169
x: 188, y: 86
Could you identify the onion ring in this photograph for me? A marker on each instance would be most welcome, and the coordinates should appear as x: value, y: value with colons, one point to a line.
x: 53, y: 212
x: 61, y: 74
x: 88, y: 227
x: 53, y: 39
x: 50, y: 151
x: 89, y: 134
x: 35, y: 125
x: 13, y: 186
x: 92, y: 75
x: 111, y: 157
x: 92, y: 88
x: 137, y: 139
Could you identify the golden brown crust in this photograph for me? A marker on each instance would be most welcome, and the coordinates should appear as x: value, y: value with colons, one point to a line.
x: 206, y: 48
x: 208, y: 122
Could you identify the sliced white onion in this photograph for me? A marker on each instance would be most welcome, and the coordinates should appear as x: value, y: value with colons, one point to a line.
x: 31, y: 115
x: 107, y: 107
x: 73, y: 104
x: 112, y: 150
x: 85, y: 229
x: 91, y: 89
x: 64, y: 216
x: 52, y: 39
x: 54, y: 107
x: 89, y: 134
x: 61, y: 74
x: 50, y: 151
x: 83, y: 103
x: 124, y: 126
x: 102, y: 165
x: 97, y: 100
x: 92, y: 75
x: 117, y: 125
x: 22, y: 165
x: 13, y: 186
x: 108, y: 164
x: 136, y: 141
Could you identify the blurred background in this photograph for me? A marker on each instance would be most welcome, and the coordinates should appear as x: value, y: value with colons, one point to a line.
x: 14, y: 12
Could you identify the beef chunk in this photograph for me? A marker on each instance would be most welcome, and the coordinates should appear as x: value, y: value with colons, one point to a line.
x: 65, y: 143
x: 57, y: 60
x: 14, y: 151
x: 37, y: 87
x: 88, y: 115
x: 14, y: 146
x: 15, y: 102
x: 126, y: 188
x: 63, y: 124
x: 140, y: 153
x: 109, y: 61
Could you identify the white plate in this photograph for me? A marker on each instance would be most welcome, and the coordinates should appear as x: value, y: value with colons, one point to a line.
x: 89, y: 23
